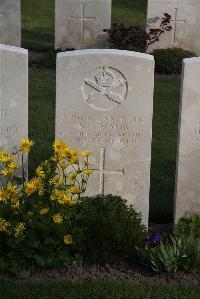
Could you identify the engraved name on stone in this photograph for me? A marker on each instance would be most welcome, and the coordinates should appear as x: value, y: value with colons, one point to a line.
x: 106, y: 129
x: 3, y: 113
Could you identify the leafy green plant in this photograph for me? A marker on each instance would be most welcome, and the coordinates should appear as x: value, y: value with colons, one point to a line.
x: 179, y: 254
x: 135, y: 38
x: 107, y: 230
x: 36, y: 215
x: 124, y: 37
x: 189, y: 226
x: 169, y: 61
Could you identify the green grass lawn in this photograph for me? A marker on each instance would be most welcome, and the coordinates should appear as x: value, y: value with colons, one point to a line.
x: 129, y: 12
x: 165, y: 125
x: 41, y: 114
x: 96, y: 290
x: 38, y: 24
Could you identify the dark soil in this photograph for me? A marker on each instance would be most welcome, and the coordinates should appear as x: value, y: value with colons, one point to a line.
x: 122, y: 271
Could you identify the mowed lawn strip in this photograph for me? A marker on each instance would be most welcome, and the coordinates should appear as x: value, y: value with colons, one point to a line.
x: 38, y: 24
x: 96, y: 290
x: 164, y: 146
x: 41, y: 115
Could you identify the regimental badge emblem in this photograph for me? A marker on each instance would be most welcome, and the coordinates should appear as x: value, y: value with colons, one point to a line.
x: 105, y: 89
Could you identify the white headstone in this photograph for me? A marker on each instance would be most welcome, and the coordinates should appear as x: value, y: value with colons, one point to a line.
x: 185, y: 23
x: 13, y: 96
x: 105, y: 103
x: 10, y: 22
x: 80, y: 23
x: 187, y: 199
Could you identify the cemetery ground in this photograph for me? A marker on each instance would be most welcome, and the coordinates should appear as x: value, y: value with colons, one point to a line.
x: 38, y: 36
x: 95, y: 290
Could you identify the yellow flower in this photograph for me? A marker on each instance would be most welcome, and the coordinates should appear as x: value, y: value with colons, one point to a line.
x: 6, y: 158
x: 72, y: 202
x: 88, y: 171
x: 72, y: 176
x: 63, y: 165
x: 75, y: 190
x: 13, y: 166
x: 68, y: 239
x: 73, y: 159
x: 44, y: 211
x: 85, y: 154
x: 40, y: 172
x: 25, y: 145
x: 12, y: 190
x: 15, y: 204
x: 7, y: 171
x: 74, y: 152
x: 57, y: 218
x: 55, y: 180
x: 3, y: 225
x: 34, y: 185
x: 61, y: 149
x: 61, y: 197
x: 4, y: 195
x: 19, y: 229
x: 31, y: 187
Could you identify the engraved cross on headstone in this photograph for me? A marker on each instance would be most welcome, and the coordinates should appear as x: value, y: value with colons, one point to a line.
x: 82, y: 20
x: 176, y: 21
x: 102, y: 171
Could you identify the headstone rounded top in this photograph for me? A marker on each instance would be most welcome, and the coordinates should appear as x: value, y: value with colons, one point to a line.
x: 13, y: 49
x: 192, y: 60
x: 106, y: 52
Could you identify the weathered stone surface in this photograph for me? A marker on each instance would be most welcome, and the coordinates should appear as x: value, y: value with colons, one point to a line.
x: 10, y: 22
x: 185, y: 22
x: 80, y: 23
x: 13, y: 96
x: 187, y: 199
x: 105, y: 104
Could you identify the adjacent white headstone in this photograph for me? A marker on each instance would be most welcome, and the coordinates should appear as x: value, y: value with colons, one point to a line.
x: 105, y: 104
x: 80, y: 23
x: 185, y: 23
x: 13, y: 96
x: 187, y: 199
x: 10, y: 22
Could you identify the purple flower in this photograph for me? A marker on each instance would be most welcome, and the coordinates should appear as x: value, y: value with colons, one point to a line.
x: 153, y: 239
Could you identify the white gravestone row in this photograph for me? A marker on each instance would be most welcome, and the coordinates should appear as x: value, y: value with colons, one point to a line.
x: 185, y: 23
x: 187, y: 197
x: 109, y: 111
x: 80, y: 23
x: 13, y: 96
x: 10, y: 22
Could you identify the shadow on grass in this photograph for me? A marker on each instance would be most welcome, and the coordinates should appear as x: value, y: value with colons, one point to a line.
x: 164, y: 146
x: 37, y: 39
